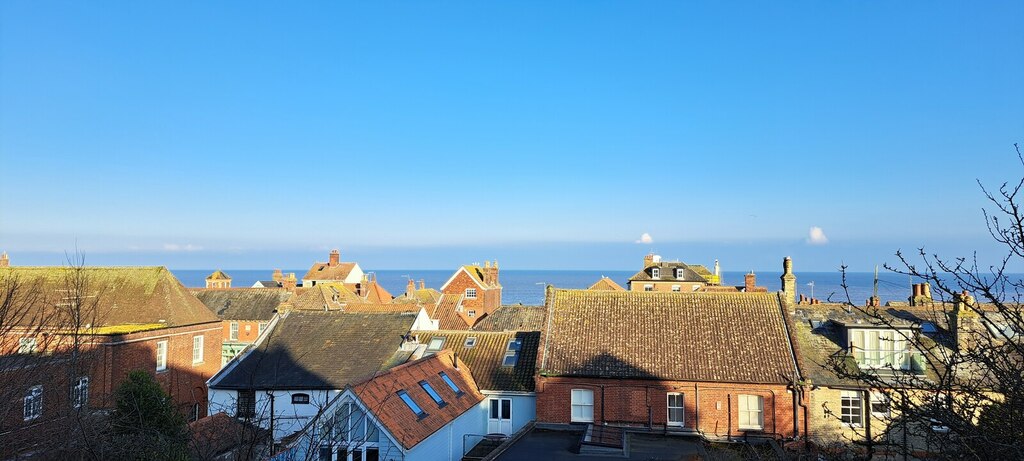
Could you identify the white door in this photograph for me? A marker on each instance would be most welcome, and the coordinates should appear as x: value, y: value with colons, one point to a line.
x: 500, y: 417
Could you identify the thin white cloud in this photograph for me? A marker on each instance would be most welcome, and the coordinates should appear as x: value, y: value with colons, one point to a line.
x: 816, y: 236
x: 645, y: 238
x: 178, y: 247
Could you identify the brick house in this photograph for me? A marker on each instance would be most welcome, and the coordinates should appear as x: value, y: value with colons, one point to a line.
x: 244, y: 313
x: 138, y: 318
x: 471, y: 293
x: 333, y: 271
x: 658, y: 275
x: 719, y: 364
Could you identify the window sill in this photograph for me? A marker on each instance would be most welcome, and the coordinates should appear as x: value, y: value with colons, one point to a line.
x: 162, y: 370
x: 752, y: 429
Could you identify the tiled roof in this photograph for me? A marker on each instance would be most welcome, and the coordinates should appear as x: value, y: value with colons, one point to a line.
x: 606, y: 284
x: 320, y: 350
x: 668, y: 273
x: 446, y: 313
x: 218, y: 275
x: 478, y: 273
x: 324, y: 296
x: 513, y: 317
x: 380, y: 395
x: 243, y: 303
x: 422, y: 296
x: 486, y: 354
x: 370, y: 308
x: 325, y: 271
x: 123, y: 296
x: 375, y: 293
x: 219, y: 433
x: 707, y: 337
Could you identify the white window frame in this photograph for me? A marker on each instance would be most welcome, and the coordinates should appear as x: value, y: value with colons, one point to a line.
x: 27, y: 345
x: 648, y: 287
x: 33, y: 403
x: 851, y: 408
x: 676, y: 288
x: 582, y: 399
x: 879, y: 348
x: 197, y: 349
x: 751, y: 412
x: 881, y: 399
x: 261, y: 328
x: 161, y: 355
x: 680, y: 273
x: 655, y: 273
x: 80, y: 392
x: 470, y: 293
x: 669, y: 407
x: 233, y: 331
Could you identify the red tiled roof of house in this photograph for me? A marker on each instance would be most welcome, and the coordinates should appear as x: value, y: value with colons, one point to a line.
x: 380, y: 394
x: 706, y: 337
x: 219, y: 433
x: 325, y: 271
x: 218, y: 275
x: 372, y: 308
x: 606, y: 284
x: 375, y: 293
x: 446, y: 313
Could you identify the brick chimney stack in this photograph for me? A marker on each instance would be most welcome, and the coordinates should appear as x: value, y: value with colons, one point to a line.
x: 410, y: 288
x: 749, y: 282
x: 423, y: 284
x: 648, y: 260
x: 335, y: 258
x: 278, y: 276
x: 788, y: 281
x: 4, y: 260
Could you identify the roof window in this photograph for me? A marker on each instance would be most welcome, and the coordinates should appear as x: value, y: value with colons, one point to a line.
x: 412, y: 404
x: 512, y: 353
x: 436, y: 343
x: 433, y: 394
x: 470, y: 342
x: 451, y: 384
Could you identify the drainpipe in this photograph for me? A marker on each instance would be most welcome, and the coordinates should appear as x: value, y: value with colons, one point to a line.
x: 270, y: 394
x: 867, y: 422
x: 696, y: 408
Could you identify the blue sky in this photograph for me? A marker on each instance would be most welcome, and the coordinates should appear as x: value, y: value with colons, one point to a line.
x: 544, y: 134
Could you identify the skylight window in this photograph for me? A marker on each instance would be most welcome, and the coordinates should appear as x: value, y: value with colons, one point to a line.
x: 412, y: 404
x: 451, y: 384
x: 512, y: 353
x: 436, y: 343
x: 432, y: 393
x: 470, y: 341
x: 929, y: 328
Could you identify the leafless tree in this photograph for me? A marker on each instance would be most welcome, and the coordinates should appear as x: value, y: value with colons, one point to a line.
x: 970, y: 402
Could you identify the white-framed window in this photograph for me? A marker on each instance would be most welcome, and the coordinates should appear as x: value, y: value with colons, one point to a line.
x: 161, y: 355
x: 435, y: 344
x: 27, y: 345
x: 674, y: 406
x: 879, y: 405
x: 679, y: 273
x: 353, y: 427
x: 676, y: 288
x: 512, y: 352
x: 879, y: 348
x: 246, y: 404
x: 300, y: 399
x: 751, y: 411
x: 470, y: 293
x: 197, y: 349
x: 80, y: 392
x: 33, y: 407
x: 655, y: 273
x: 582, y: 406
x: 851, y: 408
x: 234, y: 331
x: 648, y: 287
x: 471, y: 313
x: 262, y: 327
x: 470, y: 342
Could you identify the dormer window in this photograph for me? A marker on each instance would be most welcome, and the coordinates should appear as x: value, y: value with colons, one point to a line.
x: 655, y: 273
x: 879, y: 348
x: 679, y: 273
x: 470, y: 293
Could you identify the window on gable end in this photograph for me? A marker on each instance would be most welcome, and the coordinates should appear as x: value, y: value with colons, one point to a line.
x: 470, y: 293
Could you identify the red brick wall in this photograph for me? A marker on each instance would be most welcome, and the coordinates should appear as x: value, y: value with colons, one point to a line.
x: 644, y: 402
x: 248, y: 330
x: 487, y: 300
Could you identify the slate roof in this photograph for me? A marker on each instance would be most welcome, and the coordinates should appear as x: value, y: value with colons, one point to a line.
x: 325, y: 271
x: 218, y: 275
x: 266, y: 284
x: 513, y: 317
x: 606, y: 284
x: 320, y: 350
x: 243, y: 303
x: 694, y: 273
x: 323, y: 296
x: 124, y: 297
x: 706, y: 337
x: 487, y: 353
x: 380, y: 395
x: 446, y: 312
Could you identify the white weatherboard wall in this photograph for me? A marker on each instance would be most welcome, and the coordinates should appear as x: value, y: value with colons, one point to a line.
x: 447, y: 442
x: 288, y: 417
x: 524, y: 408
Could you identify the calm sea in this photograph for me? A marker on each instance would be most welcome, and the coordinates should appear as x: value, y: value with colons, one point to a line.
x: 527, y: 286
